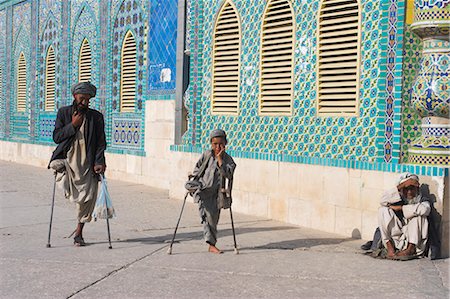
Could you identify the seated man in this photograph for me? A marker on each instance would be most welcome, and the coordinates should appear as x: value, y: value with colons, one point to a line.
x: 402, y: 219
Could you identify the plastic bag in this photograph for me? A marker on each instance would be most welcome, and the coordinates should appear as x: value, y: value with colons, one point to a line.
x: 103, y: 206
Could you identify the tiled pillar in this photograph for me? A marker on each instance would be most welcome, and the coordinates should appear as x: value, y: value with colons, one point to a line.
x: 431, y: 92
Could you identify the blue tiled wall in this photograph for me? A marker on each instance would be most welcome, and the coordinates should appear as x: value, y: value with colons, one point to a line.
x: 371, y: 140
x: 32, y: 26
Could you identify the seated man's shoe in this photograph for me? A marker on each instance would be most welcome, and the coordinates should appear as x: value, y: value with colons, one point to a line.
x: 78, y: 241
x: 367, y: 245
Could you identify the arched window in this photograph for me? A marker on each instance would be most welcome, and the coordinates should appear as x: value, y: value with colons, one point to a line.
x: 84, y: 62
x: 338, y: 57
x: 277, y: 47
x: 128, y: 74
x: 21, y: 90
x: 226, y: 61
x: 50, y: 69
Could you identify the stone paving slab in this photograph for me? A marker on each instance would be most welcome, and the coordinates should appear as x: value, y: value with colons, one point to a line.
x: 276, y: 260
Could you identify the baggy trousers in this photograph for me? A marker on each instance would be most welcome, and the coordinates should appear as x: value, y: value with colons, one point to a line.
x: 403, y: 231
x: 209, y: 214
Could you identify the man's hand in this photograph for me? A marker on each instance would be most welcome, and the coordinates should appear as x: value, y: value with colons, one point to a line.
x: 77, y: 119
x: 396, y: 208
x: 408, y: 183
x: 220, y: 155
x: 99, y: 168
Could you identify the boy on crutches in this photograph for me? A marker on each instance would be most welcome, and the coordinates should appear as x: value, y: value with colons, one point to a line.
x: 216, y: 183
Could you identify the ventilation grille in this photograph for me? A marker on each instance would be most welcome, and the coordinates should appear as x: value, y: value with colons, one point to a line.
x: 84, y: 62
x: 277, y: 59
x: 50, y: 80
x: 338, y: 57
x: 226, y: 62
x: 21, y: 83
x: 128, y: 74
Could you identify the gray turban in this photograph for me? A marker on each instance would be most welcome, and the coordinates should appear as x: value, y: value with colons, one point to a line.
x: 84, y: 88
x: 218, y: 133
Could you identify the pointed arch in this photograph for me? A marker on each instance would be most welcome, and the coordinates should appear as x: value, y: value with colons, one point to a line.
x: 84, y: 62
x: 50, y: 79
x: 128, y: 73
x: 48, y: 24
x: 226, y: 61
x: 338, y: 57
x: 277, y: 58
x: 21, y: 83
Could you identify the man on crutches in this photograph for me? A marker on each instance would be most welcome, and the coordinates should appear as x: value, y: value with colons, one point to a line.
x: 80, y: 155
x: 216, y: 183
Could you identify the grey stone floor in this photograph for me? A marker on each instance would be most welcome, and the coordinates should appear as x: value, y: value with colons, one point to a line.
x: 276, y: 260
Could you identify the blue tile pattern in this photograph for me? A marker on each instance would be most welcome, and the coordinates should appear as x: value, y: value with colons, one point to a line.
x: 3, y: 71
x: 162, y: 43
x: 371, y: 140
x: 20, y: 127
x: 85, y: 26
x: 48, y: 7
x: 64, y: 24
x: 303, y: 133
x: 392, y: 120
x: 411, y: 121
x: 130, y: 15
x: 50, y: 36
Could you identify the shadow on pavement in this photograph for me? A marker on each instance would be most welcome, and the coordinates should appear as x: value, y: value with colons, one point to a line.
x: 286, y: 245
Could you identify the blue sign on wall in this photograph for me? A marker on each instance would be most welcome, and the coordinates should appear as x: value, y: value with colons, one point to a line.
x: 162, y: 43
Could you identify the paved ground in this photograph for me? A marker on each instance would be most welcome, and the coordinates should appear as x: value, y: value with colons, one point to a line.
x: 275, y: 261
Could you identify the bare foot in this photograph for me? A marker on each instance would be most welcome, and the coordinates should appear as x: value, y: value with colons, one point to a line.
x: 214, y: 249
x: 390, y: 249
x: 410, y: 250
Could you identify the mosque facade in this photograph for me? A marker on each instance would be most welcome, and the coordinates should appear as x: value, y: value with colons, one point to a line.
x: 324, y: 102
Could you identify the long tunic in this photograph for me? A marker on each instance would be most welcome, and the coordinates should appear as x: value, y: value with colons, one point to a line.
x: 408, y: 226
x: 211, y: 198
x: 77, y: 180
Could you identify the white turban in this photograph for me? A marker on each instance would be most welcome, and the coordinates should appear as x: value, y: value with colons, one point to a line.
x: 407, y: 176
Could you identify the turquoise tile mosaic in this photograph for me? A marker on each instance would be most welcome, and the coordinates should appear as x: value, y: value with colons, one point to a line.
x: 21, y: 40
x: 411, y: 120
x: 129, y: 16
x: 85, y: 26
x: 64, y: 25
x: 371, y: 139
x: 162, y: 42
x: 49, y: 37
x: 2, y: 73
x: 303, y: 133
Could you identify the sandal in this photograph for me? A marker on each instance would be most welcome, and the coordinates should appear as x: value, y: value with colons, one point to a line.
x: 404, y: 257
x: 78, y: 241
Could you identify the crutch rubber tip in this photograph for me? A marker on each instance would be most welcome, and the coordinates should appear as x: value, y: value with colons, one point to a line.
x: 110, y: 247
x: 236, y: 251
x: 169, y: 251
x: 48, y: 245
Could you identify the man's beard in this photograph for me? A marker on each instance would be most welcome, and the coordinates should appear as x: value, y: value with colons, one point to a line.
x: 415, y: 199
x: 79, y: 108
x: 82, y: 109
